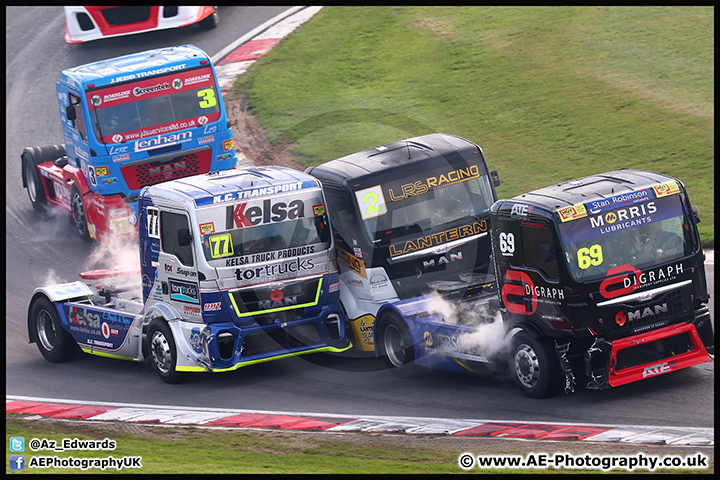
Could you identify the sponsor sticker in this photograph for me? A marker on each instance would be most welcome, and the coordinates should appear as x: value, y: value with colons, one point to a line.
x: 572, y: 213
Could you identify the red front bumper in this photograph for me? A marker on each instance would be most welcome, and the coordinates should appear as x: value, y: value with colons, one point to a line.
x: 645, y: 355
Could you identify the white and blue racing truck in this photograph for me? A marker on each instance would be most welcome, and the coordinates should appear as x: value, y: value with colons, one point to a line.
x: 236, y: 267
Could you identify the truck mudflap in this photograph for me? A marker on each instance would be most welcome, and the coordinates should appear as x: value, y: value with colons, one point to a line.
x: 627, y: 360
x: 223, y: 347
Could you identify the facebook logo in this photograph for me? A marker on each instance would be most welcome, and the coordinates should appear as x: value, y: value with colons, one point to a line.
x: 17, y: 462
x: 17, y: 444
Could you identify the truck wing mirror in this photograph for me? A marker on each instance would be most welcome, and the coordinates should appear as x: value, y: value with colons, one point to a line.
x: 70, y: 112
x: 495, y: 178
x: 184, y: 237
x: 696, y: 213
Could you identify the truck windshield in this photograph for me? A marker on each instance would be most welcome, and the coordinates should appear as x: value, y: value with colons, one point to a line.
x: 642, y: 234
x: 249, y: 244
x: 414, y: 205
x: 154, y: 106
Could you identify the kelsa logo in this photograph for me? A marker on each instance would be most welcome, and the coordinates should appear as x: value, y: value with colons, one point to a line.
x: 238, y: 216
x: 212, y: 307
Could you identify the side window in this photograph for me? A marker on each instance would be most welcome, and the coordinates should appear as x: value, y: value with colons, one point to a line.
x: 538, y: 250
x: 170, y: 225
x: 79, y: 122
x: 341, y: 215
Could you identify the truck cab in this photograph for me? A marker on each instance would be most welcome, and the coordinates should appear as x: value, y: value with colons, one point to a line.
x: 604, y: 272
x: 129, y: 122
x: 246, y: 258
x: 408, y: 218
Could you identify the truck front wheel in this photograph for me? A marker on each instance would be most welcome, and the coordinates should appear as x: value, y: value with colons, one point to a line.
x: 78, y: 215
x: 53, y: 341
x: 395, y: 346
x: 535, y: 369
x: 163, y: 352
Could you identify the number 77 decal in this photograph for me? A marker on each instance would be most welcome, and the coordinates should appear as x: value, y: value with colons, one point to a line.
x: 371, y: 202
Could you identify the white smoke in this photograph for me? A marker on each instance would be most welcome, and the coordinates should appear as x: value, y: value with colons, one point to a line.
x: 121, y: 256
x: 487, y: 337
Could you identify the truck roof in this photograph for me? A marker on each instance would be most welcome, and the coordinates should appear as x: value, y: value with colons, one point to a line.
x: 390, y: 156
x: 232, y: 185
x: 593, y: 187
x: 143, y: 64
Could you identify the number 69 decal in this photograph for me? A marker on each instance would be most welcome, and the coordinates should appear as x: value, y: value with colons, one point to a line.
x: 371, y: 202
x: 590, y: 256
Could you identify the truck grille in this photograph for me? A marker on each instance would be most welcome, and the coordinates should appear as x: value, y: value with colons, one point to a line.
x: 150, y: 172
x: 281, y: 339
x: 635, y: 316
x: 266, y: 304
x: 126, y: 15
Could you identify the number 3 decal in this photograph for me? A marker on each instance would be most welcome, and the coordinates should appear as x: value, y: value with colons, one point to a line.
x: 208, y: 98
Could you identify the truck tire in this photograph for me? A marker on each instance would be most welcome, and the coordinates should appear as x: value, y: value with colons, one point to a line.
x: 535, y: 369
x: 210, y: 22
x: 163, y: 352
x: 78, y: 214
x: 53, y: 341
x: 395, y: 346
x: 31, y: 157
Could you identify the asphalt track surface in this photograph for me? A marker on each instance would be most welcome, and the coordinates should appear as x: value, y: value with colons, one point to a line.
x: 39, y: 252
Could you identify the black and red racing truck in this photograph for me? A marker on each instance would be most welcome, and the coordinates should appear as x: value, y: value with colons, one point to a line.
x: 605, y: 272
x: 600, y: 278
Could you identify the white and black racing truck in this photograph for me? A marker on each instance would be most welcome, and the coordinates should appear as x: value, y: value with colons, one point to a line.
x: 236, y: 267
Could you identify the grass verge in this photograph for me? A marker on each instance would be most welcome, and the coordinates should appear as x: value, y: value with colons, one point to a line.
x: 549, y: 93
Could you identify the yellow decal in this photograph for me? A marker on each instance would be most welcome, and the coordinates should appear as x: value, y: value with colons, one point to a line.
x: 207, y: 228
x: 101, y: 171
x: 438, y: 238
x: 362, y: 328
x: 419, y: 187
x: 352, y: 263
x: 319, y: 210
x: 228, y: 145
x: 371, y: 202
x: 221, y: 245
x: 590, y: 256
x: 572, y: 213
x: 665, y: 189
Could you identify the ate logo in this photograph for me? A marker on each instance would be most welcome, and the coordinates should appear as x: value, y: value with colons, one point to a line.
x: 657, y: 369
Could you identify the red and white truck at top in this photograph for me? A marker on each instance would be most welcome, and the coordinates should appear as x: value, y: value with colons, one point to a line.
x: 84, y: 24
x: 129, y: 122
x: 236, y: 268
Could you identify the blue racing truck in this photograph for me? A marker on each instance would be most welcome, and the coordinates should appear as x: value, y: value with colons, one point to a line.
x: 129, y: 122
x: 236, y: 267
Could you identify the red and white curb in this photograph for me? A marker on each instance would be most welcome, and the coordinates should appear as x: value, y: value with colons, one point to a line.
x: 237, y: 57
x: 217, y: 417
